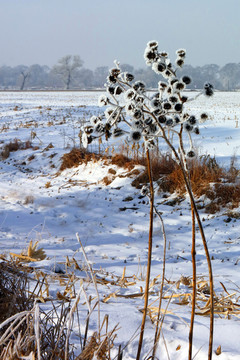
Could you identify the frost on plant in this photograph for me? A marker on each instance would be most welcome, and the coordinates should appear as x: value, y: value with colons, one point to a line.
x: 129, y: 110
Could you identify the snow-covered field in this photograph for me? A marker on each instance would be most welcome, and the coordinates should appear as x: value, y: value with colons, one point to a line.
x: 39, y: 203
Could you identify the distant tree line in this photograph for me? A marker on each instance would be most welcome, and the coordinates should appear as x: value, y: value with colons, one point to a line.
x: 69, y: 73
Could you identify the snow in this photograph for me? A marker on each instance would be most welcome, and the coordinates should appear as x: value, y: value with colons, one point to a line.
x: 39, y: 203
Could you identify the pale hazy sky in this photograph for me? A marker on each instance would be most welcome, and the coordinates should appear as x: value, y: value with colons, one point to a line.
x: 42, y: 31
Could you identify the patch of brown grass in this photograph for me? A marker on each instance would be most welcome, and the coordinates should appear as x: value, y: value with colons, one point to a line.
x: 77, y: 157
x: 207, y: 178
x: 14, y: 145
x: 124, y: 162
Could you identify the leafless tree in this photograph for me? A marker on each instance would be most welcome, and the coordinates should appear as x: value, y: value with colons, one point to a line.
x: 66, y: 67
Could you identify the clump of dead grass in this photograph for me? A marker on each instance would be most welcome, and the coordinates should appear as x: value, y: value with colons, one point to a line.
x: 77, y: 157
x: 14, y: 145
x: 28, y: 331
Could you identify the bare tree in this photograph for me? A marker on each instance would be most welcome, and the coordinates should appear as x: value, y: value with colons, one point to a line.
x: 24, y: 74
x: 66, y: 67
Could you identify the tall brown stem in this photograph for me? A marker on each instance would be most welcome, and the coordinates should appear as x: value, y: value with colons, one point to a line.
x: 158, y: 327
x: 210, y: 272
x: 149, y: 256
x: 194, y: 284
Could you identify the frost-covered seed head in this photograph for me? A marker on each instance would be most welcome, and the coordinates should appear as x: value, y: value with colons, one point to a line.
x: 169, y: 90
x: 157, y: 112
x: 180, y: 62
x: 192, y: 120
x: 162, y: 119
x: 130, y: 94
x: 179, y: 85
x: 155, y: 103
x: 150, y: 144
x: 163, y: 54
x: 110, y: 112
x: 118, y: 90
x: 95, y: 119
x: 186, y: 79
x: 178, y: 107
x: 128, y: 77
x: 191, y: 154
x: 173, y: 99
x: 153, y: 44
x: 111, y: 79
x: 135, y: 135
x: 150, y: 56
x: 181, y: 53
x: 177, y: 119
x: 110, y: 90
x: 204, y: 117
x: 167, y: 105
x: 139, y: 99
x: 196, y: 130
x: 88, y: 129
x: 159, y: 67
x: 184, y: 98
x: 208, y: 89
x: 137, y: 114
x: 173, y: 81
x: 103, y: 100
x: 114, y: 72
x: 167, y: 74
x: 162, y: 85
x: 130, y: 107
x: 170, y: 122
x: 139, y: 86
x: 188, y: 127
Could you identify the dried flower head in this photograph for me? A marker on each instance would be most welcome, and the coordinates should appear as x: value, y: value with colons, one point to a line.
x: 191, y: 154
x: 135, y: 135
x: 192, y: 120
x: 139, y: 86
x: 95, y: 119
x: 178, y: 107
x: 103, y: 100
x: 153, y: 44
x: 186, y: 79
x: 118, y: 90
x: 208, y: 89
x: 130, y: 94
x: 128, y: 77
x: 159, y: 67
x: 150, y: 56
x: 162, y: 85
x: 181, y: 53
x: 179, y: 62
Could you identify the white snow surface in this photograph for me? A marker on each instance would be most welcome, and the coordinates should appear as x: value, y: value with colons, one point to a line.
x: 112, y: 221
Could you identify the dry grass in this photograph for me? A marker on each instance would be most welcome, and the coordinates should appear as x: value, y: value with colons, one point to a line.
x: 77, y: 157
x: 27, y: 331
x: 14, y: 145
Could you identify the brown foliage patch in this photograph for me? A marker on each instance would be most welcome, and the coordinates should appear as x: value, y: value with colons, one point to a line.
x: 124, y: 162
x: 14, y: 146
x: 77, y: 157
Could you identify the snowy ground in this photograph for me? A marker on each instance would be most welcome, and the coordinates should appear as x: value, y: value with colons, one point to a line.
x: 38, y: 203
